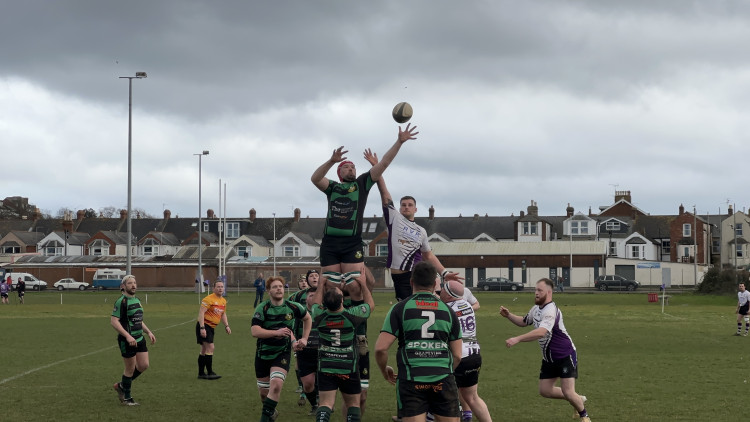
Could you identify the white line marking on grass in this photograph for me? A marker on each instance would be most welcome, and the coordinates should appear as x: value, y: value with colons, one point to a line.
x: 31, y: 371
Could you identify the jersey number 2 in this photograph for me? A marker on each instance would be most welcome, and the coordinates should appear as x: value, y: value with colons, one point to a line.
x: 426, y: 326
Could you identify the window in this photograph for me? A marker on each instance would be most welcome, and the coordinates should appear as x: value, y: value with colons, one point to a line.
x: 584, y: 227
x: 686, y: 251
x: 290, y: 251
x: 373, y: 227
x: 739, y: 251
x: 579, y: 227
x: 11, y: 249
x: 715, y: 247
x: 150, y: 247
x: 53, y: 248
x: 738, y: 229
x: 205, y: 227
x: 242, y: 250
x: 529, y: 228
x: 686, y: 230
x: 573, y: 227
x: 99, y: 248
x: 233, y: 230
x: 382, y: 250
x: 612, y: 248
x: 612, y: 226
x: 665, y: 246
x: 635, y: 251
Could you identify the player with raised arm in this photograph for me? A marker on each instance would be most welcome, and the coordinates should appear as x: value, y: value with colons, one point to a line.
x: 559, y: 357
x: 272, y: 325
x: 341, y: 255
x: 407, y: 240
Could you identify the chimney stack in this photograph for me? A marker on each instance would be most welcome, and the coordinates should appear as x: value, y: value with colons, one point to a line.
x: 569, y: 210
x: 252, y: 215
x: 682, y: 210
x: 623, y: 194
x: 167, y: 214
x: 533, y: 209
x: 730, y: 210
x: 432, y: 212
x: 210, y: 213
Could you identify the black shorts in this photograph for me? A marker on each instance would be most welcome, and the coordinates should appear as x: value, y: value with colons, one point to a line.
x: 467, y: 373
x: 346, y: 383
x: 439, y: 398
x: 402, y: 285
x: 307, y: 361
x: 744, y: 309
x: 336, y: 250
x: 3, y: 295
x: 209, y: 334
x: 561, y: 368
x: 22, y: 293
x: 128, y: 351
x: 263, y: 366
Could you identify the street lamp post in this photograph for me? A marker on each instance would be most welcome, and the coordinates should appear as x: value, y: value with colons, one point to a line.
x: 200, y: 224
x: 274, y: 243
x: 138, y: 75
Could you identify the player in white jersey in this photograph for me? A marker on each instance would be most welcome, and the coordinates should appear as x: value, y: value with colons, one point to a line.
x: 407, y: 240
x: 559, y: 358
x: 467, y: 372
x: 469, y: 297
x: 743, y: 309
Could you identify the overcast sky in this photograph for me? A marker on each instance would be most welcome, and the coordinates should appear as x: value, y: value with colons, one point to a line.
x: 553, y: 101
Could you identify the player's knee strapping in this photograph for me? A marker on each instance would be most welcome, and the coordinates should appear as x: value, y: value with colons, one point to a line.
x: 350, y: 277
x: 264, y: 385
x: 278, y: 375
x: 333, y: 277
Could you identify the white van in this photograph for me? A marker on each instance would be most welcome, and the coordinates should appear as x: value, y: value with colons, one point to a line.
x: 32, y: 283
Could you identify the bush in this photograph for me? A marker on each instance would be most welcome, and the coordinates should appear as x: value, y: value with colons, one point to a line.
x: 719, y: 281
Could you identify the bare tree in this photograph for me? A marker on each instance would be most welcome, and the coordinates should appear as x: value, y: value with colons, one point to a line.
x: 107, y: 212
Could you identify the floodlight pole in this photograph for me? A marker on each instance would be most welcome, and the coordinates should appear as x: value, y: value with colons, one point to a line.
x: 200, y: 225
x: 138, y: 75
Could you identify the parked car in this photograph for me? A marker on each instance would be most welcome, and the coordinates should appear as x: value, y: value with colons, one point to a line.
x: 499, y: 283
x: 606, y: 282
x: 32, y: 283
x: 70, y: 284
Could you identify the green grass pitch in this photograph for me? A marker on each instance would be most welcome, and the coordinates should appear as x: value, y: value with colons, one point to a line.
x: 59, y: 360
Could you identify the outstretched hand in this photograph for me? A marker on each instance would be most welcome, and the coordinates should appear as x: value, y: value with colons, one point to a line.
x: 407, y: 134
x: 338, y: 155
x: 371, y: 157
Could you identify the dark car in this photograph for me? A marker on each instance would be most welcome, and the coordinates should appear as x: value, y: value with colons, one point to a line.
x: 607, y: 282
x: 499, y: 283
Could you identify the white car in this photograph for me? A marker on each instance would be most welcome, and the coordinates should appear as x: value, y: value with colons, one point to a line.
x: 70, y: 283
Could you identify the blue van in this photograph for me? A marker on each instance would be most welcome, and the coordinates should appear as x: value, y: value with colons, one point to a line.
x: 107, y: 278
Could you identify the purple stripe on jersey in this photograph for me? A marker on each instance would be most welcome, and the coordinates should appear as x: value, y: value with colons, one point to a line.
x: 560, y: 345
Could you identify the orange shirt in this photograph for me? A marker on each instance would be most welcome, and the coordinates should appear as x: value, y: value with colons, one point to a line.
x: 215, y: 308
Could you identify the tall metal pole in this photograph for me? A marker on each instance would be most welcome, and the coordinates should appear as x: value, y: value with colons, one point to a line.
x: 200, y: 223
x: 695, y: 253
x: 734, y: 229
x: 274, y: 243
x: 138, y: 75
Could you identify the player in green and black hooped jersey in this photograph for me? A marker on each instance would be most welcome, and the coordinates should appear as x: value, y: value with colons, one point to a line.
x: 341, y: 247
x: 127, y: 320
x: 300, y: 296
x: 429, y: 349
x: 272, y: 325
x: 338, y: 367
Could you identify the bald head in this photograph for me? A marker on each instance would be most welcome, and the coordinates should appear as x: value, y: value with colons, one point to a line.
x: 452, y: 290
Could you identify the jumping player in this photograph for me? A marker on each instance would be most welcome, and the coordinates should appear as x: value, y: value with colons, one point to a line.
x: 341, y: 248
x: 407, y: 241
x: 559, y: 358
x: 272, y: 325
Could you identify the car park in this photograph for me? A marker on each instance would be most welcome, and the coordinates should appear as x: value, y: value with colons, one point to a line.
x: 499, y: 283
x: 615, y: 282
x: 32, y: 283
x: 70, y: 284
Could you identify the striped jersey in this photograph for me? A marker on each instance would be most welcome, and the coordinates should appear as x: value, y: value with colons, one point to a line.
x: 215, y: 307
x: 556, y: 344
x: 407, y: 240
x: 130, y: 313
x: 337, y: 353
x: 301, y: 298
x: 424, y: 326
x: 271, y: 317
x: 743, y: 297
x: 466, y: 317
x: 346, y: 204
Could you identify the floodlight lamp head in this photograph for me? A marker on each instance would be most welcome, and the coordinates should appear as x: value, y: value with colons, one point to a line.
x: 205, y: 152
x: 140, y: 74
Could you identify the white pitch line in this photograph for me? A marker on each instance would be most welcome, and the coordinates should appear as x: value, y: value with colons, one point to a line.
x: 31, y: 371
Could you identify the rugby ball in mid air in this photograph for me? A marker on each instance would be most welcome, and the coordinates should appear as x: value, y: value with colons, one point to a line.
x: 402, y: 112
